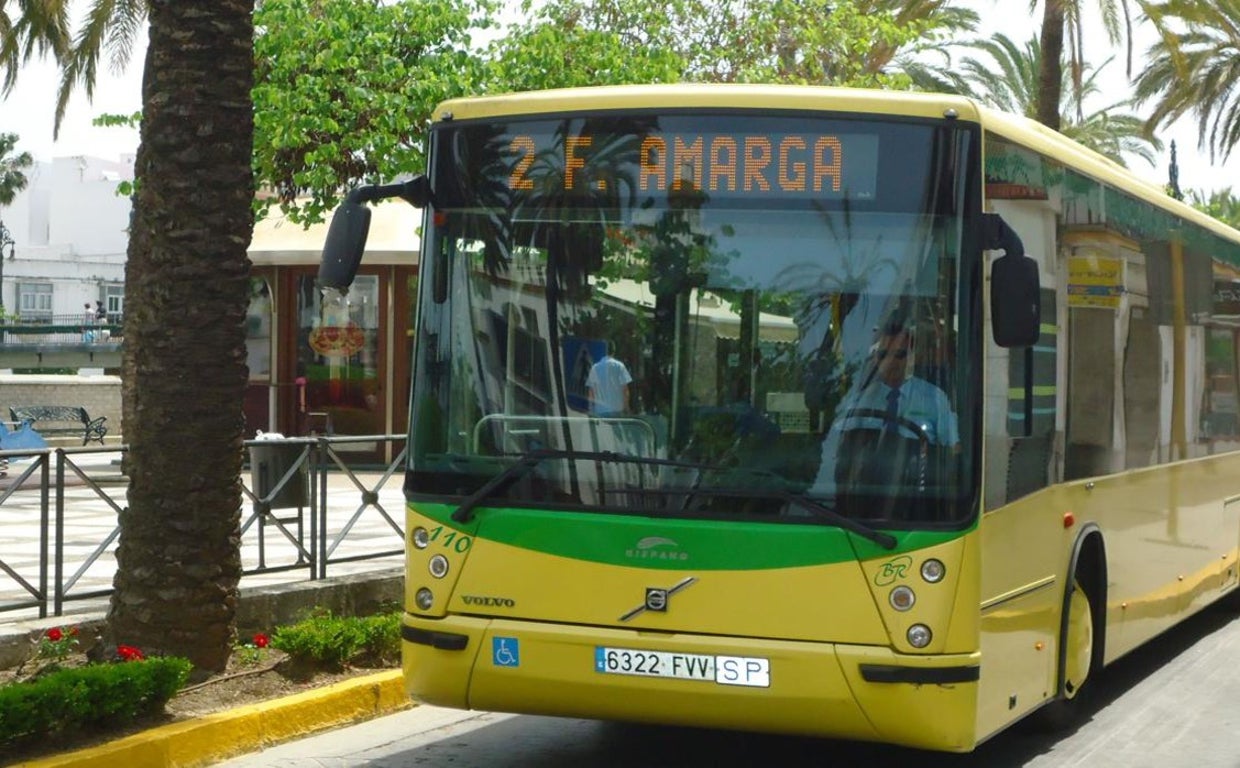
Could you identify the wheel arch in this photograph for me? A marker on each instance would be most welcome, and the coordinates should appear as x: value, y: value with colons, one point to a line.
x: 1087, y: 565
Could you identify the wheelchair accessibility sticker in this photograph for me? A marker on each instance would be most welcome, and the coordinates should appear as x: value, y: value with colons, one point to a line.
x: 505, y: 652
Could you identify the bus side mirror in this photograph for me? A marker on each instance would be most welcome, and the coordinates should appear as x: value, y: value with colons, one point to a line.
x: 345, y: 243
x: 1015, y: 295
x: 346, y: 237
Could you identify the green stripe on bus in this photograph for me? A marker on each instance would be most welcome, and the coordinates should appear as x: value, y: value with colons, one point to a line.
x: 1018, y: 393
x: 675, y: 544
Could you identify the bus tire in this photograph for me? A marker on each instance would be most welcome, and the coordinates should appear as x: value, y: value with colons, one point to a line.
x: 1080, y: 637
x: 1077, y: 636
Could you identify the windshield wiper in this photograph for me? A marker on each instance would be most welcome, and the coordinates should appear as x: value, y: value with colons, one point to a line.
x: 465, y: 512
x: 884, y: 540
x: 881, y: 538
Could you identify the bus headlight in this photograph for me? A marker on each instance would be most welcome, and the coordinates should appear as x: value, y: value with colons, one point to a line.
x: 919, y: 635
x: 421, y: 538
x: 902, y: 598
x: 438, y: 566
x: 933, y: 570
x: 424, y: 599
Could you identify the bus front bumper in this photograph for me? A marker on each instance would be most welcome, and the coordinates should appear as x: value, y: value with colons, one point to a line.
x: 833, y: 690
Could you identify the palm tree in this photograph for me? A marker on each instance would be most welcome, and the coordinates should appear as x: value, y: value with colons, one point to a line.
x: 1193, y: 69
x: 187, y: 289
x: 1009, y: 79
x: 1220, y: 204
x: 12, y: 168
x: 186, y: 282
x: 1061, y: 19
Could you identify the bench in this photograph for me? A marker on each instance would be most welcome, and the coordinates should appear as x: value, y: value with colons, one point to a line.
x: 61, y: 420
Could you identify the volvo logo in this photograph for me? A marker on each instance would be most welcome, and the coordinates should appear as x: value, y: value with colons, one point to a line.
x: 494, y: 602
x: 657, y: 598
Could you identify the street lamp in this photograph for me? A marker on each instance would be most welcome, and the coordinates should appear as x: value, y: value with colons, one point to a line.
x: 6, y: 239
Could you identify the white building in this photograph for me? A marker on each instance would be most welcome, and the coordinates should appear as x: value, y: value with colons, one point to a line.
x: 70, y: 230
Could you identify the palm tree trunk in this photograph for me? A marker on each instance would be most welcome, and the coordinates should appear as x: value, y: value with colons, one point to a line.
x: 186, y: 283
x: 1050, y: 75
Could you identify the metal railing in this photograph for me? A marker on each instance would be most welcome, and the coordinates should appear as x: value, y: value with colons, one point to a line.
x: 306, y: 510
x: 60, y: 329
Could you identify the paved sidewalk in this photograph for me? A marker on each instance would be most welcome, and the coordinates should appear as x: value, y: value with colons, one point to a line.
x: 355, y: 528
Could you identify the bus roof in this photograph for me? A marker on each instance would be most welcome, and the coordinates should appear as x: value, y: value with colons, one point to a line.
x: 1037, y: 137
x: 1015, y: 128
x: 706, y: 95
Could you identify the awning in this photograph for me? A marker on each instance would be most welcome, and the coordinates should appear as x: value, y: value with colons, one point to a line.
x: 393, y: 238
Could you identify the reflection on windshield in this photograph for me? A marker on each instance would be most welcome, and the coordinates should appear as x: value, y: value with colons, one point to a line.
x: 736, y: 347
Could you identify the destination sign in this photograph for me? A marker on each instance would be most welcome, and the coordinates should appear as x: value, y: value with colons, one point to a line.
x: 808, y: 165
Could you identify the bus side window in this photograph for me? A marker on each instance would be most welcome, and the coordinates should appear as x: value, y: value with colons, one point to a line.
x: 1032, y: 406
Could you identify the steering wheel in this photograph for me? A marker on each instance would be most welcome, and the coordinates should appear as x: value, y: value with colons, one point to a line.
x: 919, y: 430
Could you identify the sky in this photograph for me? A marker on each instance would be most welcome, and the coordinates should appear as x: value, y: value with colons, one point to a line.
x: 29, y: 110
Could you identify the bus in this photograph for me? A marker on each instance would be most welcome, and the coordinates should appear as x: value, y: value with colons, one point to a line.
x: 757, y: 538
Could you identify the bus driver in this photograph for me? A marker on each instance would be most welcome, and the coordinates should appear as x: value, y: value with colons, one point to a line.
x: 888, y: 400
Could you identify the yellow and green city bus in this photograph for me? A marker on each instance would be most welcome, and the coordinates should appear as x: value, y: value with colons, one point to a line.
x: 731, y: 522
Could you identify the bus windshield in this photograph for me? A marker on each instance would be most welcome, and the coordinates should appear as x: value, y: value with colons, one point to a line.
x: 706, y: 315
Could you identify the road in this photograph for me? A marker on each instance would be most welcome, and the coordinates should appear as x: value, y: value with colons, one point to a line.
x: 1172, y: 704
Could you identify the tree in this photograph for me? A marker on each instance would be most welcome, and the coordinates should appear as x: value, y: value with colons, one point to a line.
x: 565, y: 44
x: 12, y: 168
x: 186, y: 282
x: 1193, y: 68
x: 187, y: 289
x: 1008, y: 78
x: 1220, y: 204
x: 1062, y: 19
x: 344, y: 91
x: 858, y: 43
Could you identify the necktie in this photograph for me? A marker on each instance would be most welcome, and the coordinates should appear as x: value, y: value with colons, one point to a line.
x: 893, y: 411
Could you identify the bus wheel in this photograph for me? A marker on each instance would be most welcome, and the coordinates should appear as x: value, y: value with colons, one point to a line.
x: 1078, y: 642
x: 1078, y: 651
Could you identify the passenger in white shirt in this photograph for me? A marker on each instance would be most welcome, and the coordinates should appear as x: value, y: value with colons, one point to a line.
x: 608, y: 386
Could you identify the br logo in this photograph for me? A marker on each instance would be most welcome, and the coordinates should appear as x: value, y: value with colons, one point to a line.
x: 893, y: 570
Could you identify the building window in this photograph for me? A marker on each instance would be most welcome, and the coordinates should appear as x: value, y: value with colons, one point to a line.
x: 114, y: 302
x: 34, y: 302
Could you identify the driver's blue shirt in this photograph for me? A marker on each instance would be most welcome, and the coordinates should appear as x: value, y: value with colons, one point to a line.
x: 919, y: 401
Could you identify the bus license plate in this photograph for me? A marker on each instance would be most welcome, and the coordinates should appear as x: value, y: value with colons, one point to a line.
x: 749, y: 671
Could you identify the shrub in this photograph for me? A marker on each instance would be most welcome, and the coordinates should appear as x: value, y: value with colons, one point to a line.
x: 93, y: 695
x: 334, y: 641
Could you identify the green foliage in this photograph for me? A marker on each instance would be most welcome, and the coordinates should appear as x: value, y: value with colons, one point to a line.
x: 336, y: 641
x: 96, y: 695
x: 566, y: 44
x: 344, y: 91
x: 1220, y: 204
x: 1007, y: 78
x: 1192, y: 70
x: 12, y: 167
x: 253, y: 652
x: 822, y: 42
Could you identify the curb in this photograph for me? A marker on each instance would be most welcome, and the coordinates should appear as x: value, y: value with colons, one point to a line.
x: 222, y: 735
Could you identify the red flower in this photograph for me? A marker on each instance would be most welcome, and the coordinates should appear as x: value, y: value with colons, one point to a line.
x: 73, y: 631
x: 129, y: 653
x: 55, y: 635
x: 261, y: 640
